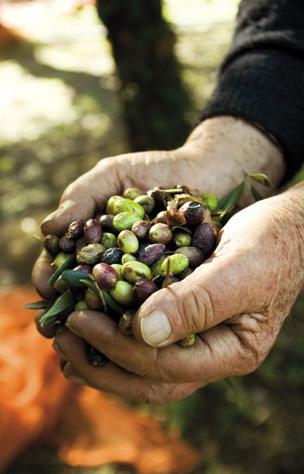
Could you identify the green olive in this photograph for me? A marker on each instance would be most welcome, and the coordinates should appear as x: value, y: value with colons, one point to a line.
x: 177, y: 263
x: 128, y: 242
x: 90, y: 254
x: 134, y: 271
x: 132, y: 193
x: 147, y: 202
x: 92, y: 300
x: 122, y: 293
x: 112, y: 203
x: 127, y: 257
x: 187, y: 341
x: 118, y: 268
x: 156, y: 267
x: 210, y: 201
x: 124, y: 205
x: 108, y: 240
x: 60, y: 259
x: 182, y: 239
x: 160, y: 234
x: 124, y: 221
x: 81, y: 305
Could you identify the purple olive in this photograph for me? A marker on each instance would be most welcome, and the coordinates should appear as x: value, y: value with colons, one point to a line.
x: 51, y: 243
x: 112, y: 255
x: 143, y: 289
x: 150, y: 253
x: 66, y: 245
x: 106, y: 222
x: 141, y: 229
x: 82, y: 268
x: 193, y: 212
x: 92, y: 231
x: 105, y: 275
x: 75, y: 230
x: 80, y: 243
x: 204, y: 238
x: 194, y: 254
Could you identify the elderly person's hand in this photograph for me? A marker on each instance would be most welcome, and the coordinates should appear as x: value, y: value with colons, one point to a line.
x: 236, y: 302
x: 212, y: 160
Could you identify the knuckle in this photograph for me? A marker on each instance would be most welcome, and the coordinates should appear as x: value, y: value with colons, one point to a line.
x: 251, y: 359
x: 68, y: 192
x: 194, y: 308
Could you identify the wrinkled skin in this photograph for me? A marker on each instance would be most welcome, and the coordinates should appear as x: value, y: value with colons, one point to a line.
x: 236, y: 301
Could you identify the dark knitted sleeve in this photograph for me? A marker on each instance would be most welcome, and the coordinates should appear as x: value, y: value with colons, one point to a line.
x: 262, y: 77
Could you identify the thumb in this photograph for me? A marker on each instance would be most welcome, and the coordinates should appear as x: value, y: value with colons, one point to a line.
x: 82, y: 196
x: 210, y: 295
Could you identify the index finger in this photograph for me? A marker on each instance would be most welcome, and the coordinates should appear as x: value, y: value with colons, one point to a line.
x: 84, y: 196
x: 41, y: 273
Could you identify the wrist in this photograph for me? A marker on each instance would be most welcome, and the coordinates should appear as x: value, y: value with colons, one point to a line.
x: 227, y: 146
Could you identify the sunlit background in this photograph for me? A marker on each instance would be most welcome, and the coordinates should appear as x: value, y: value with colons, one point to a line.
x: 62, y: 108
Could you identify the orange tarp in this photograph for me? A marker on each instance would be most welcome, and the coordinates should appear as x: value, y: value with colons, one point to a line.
x: 87, y: 428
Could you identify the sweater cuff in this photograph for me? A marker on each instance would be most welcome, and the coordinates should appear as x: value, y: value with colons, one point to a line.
x: 265, y: 88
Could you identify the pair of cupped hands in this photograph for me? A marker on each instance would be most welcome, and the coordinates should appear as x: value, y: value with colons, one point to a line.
x: 236, y: 301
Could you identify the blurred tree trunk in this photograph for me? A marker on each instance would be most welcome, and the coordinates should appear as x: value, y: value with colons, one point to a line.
x: 155, y: 100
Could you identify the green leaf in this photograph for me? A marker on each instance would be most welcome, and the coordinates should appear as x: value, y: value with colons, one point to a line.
x: 255, y: 193
x: 42, y: 304
x: 74, y: 279
x: 231, y: 199
x: 63, y: 303
x: 66, y: 264
x: 260, y: 178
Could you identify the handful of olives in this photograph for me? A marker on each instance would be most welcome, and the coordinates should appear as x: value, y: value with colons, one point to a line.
x: 140, y: 243
x: 114, y: 261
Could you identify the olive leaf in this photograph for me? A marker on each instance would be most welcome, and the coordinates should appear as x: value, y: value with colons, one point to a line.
x: 74, y: 278
x: 255, y: 193
x: 260, y: 178
x: 42, y: 304
x: 62, y: 304
x: 230, y: 200
x: 64, y: 266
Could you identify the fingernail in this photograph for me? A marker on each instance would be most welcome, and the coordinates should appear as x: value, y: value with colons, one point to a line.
x: 77, y: 380
x: 155, y: 328
x: 70, y: 328
x: 49, y: 218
